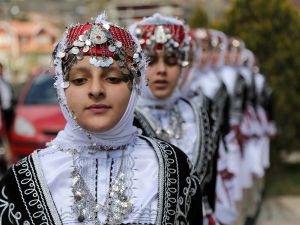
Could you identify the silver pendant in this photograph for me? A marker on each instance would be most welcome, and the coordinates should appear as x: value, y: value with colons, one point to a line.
x: 75, y: 50
x: 160, y: 35
x: 65, y: 84
x: 86, y: 48
x: 117, y: 205
x: 112, y: 48
x: 118, y: 44
x: 106, y: 26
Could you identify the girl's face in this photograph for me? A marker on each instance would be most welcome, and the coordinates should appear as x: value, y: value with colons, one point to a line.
x: 205, y: 55
x: 215, y: 56
x: 227, y: 57
x: 163, y: 73
x: 97, y: 97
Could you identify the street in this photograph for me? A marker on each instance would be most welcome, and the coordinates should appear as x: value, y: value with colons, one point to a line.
x: 284, y: 210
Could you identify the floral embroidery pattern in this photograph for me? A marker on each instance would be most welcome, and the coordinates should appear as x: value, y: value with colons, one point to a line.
x: 184, y: 201
x: 177, y: 200
x: 7, y: 210
x: 31, y: 193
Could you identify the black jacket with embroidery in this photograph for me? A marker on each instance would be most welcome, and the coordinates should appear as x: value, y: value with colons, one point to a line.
x: 25, y: 197
x: 205, y: 152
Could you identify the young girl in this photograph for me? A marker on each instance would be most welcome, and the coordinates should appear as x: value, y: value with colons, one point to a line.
x: 98, y: 170
x: 162, y: 111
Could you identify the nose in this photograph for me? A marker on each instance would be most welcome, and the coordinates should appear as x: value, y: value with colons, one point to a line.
x: 97, y: 89
x: 161, y: 68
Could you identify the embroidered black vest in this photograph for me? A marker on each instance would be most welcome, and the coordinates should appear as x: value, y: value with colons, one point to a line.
x: 205, y: 160
x: 26, y: 200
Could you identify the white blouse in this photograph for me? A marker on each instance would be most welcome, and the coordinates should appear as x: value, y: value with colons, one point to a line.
x: 140, y: 166
x: 208, y: 82
x: 229, y: 76
x: 161, y: 119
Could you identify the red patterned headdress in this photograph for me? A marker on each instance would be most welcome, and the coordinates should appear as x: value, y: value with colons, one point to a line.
x: 159, y: 32
x: 103, y: 42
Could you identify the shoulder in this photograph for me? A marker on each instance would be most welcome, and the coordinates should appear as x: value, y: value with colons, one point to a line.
x: 142, y: 122
x: 190, y: 104
x: 161, y: 144
x: 12, y: 192
x: 25, y: 196
x: 19, y: 171
x: 168, y: 152
x: 193, y: 105
x: 178, y: 184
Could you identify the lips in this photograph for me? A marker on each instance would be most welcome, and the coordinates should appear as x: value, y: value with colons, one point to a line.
x: 98, y: 108
x: 160, y: 84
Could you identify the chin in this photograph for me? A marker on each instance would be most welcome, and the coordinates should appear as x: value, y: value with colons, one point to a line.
x: 98, y: 129
x: 162, y: 95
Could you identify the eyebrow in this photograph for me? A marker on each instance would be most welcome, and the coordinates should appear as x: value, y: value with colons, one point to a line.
x: 81, y: 69
x: 86, y: 70
x: 112, y: 68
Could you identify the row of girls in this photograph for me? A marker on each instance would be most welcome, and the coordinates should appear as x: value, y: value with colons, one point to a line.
x: 240, y: 104
x: 206, y: 96
x: 181, y: 140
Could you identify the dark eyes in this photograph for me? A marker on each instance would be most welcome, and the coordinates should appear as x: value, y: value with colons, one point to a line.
x: 79, y: 81
x: 109, y: 79
x: 152, y: 60
x: 169, y: 60
x: 114, y: 80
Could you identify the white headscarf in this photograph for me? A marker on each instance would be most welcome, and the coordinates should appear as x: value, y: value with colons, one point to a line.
x: 246, y: 70
x: 223, y: 45
x: 74, y: 136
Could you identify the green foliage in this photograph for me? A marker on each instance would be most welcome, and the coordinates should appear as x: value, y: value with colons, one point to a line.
x: 198, y: 18
x: 283, y: 180
x: 271, y: 29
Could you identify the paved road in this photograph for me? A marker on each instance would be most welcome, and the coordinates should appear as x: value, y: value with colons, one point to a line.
x: 283, y: 210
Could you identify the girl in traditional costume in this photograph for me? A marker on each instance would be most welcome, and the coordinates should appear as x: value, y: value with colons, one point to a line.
x: 162, y: 110
x: 98, y: 170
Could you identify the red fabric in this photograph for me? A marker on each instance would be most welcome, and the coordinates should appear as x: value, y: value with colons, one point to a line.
x: 177, y: 32
x: 226, y: 175
x: 117, y: 33
x: 211, y: 220
x: 2, y: 127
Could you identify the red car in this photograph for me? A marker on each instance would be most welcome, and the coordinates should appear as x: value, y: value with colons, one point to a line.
x: 38, y: 117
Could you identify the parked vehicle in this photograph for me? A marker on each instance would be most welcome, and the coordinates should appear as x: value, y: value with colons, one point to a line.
x: 38, y: 117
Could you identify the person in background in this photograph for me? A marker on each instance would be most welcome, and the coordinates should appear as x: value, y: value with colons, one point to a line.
x: 7, y: 109
x: 6, y: 101
x: 162, y: 111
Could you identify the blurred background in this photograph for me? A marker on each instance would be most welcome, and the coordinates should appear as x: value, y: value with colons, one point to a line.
x: 29, y: 30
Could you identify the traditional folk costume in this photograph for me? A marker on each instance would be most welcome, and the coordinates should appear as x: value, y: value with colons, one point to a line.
x: 263, y: 143
x: 251, y: 127
x: 251, y: 132
x: 202, y: 81
x: 212, y: 45
x: 175, y: 119
x: 228, y: 151
x: 256, y: 131
x: 112, y: 177
x: 235, y: 86
x: 264, y: 114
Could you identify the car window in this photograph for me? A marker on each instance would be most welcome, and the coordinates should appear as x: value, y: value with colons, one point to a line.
x: 41, y: 91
